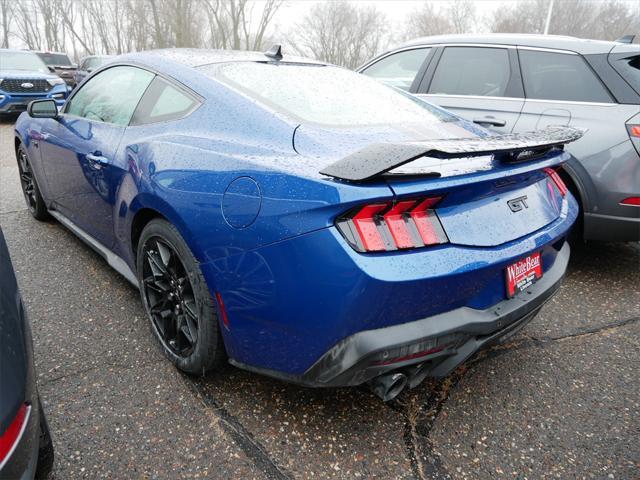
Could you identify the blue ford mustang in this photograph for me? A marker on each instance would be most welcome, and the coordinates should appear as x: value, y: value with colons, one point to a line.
x: 298, y: 219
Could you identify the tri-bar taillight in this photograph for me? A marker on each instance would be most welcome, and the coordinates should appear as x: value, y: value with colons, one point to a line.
x: 562, y: 188
x: 388, y: 226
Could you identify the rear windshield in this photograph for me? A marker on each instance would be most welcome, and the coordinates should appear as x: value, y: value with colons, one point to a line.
x: 21, y: 61
x: 629, y: 67
x: 55, y: 59
x: 324, y: 94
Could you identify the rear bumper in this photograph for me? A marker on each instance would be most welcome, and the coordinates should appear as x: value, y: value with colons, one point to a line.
x: 360, y: 357
x: 610, y: 228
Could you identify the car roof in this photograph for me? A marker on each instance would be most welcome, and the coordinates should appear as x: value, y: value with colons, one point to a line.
x: 578, y: 45
x: 195, y: 57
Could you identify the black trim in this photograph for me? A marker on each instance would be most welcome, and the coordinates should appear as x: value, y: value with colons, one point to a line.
x: 352, y: 361
x: 425, y: 82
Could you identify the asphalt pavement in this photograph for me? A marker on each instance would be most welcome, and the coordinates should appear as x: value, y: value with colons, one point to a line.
x: 560, y: 400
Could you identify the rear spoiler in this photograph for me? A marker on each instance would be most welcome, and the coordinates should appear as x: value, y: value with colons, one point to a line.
x: 379, y: 158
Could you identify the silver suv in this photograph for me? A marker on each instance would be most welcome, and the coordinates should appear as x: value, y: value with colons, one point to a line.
x: 515, y: 83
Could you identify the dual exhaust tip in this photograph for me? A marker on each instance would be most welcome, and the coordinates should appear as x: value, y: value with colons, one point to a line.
x: 390, y: 385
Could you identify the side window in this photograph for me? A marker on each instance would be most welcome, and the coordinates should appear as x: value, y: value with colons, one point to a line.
x: 472, y: 71
x: 162, y: 102
x: 111, y: 96
x: 560, y: 76
x: 400, y: 69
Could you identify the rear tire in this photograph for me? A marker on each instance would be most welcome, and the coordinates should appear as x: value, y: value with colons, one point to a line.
x: 30, y: 188
x: 177, y: 300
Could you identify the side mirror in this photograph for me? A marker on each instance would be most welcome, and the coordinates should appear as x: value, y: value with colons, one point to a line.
x: 51, y: 68
x: 46, y: 108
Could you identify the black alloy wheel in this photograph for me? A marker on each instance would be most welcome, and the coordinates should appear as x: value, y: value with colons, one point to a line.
x: 29, y: 186
x: 177, y: 300
x: 170, y: 297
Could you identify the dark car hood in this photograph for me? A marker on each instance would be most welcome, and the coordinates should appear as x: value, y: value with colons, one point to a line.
x: 333, y: 143
x: 27, y: 74
x: 13, y: 353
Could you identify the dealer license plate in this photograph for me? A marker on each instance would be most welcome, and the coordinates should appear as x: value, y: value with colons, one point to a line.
x: 523, y: 273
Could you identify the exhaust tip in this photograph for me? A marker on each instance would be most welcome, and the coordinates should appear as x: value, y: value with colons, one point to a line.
x: 388, y: 386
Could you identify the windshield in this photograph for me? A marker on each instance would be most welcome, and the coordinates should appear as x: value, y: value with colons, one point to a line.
x: 57, y: 59
x: 324, y: 94
x: 22, y: 61
x: 95, y: 62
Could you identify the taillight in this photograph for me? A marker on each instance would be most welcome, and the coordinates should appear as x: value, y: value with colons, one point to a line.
x: 11, y: 436
x: 389, y: 226
x: 562, y: 188
x: 634, y: 135
x: 631, y: 202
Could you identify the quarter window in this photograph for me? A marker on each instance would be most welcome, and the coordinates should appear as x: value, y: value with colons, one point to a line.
x: 111, y: 96
x: 560, y: 76
x: 163, y: 102
x: 400, y: 69
x: 472, y: 71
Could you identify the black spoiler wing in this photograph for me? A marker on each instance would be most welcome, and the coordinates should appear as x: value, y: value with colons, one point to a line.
x: 379, y: 158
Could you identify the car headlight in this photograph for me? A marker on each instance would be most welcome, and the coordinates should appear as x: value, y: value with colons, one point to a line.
x: 55, y: 81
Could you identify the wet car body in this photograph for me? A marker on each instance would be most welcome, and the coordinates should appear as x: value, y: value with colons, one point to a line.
x: 267, y: 198
x: 25, y: 444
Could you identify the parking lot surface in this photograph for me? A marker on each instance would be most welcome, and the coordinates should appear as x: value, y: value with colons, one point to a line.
x: 560, y: 400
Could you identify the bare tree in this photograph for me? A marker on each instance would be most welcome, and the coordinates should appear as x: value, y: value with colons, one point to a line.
x: 605, y: 20
x: 231, y: 23
x: 438, y: 18
x: 6, y: 16
x: 343, y: 33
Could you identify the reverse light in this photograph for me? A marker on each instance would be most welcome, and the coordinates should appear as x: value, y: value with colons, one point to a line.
x: 562, y: 188
x: 631, y: 202
x: 389, y: 226
x: 12, y: 435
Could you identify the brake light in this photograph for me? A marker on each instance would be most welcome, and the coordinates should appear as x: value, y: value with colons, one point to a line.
x: 631, y: 201
x: 562, y: 188
x: 12, y: 435
x: 634, y: 130
x: 389, y: 226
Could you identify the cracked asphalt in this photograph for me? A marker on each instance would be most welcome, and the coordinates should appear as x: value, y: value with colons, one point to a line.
x: 561, y: 400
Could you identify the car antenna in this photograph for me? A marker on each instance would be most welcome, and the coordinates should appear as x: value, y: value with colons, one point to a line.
x: 626, y: 39
x: 275, y: 52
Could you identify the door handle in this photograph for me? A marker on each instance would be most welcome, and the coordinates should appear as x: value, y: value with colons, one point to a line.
x: 494, y: 122
x: 96, y: 160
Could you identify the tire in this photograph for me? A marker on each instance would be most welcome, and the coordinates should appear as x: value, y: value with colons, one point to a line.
x: 30, y: 188
x: 176, y: 299
x: 45, y: 450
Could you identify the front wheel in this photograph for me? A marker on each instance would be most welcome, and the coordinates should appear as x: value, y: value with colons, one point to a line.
x: 30, y: 188
x: 177, y: 300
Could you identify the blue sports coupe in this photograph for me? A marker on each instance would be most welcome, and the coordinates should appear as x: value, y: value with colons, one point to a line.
x: 298, y: 219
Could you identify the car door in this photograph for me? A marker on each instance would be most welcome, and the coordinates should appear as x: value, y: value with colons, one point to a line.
x: 80, y: 152
x: 400, y: 69
x: 562, y: 89
x: 479, y: 83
